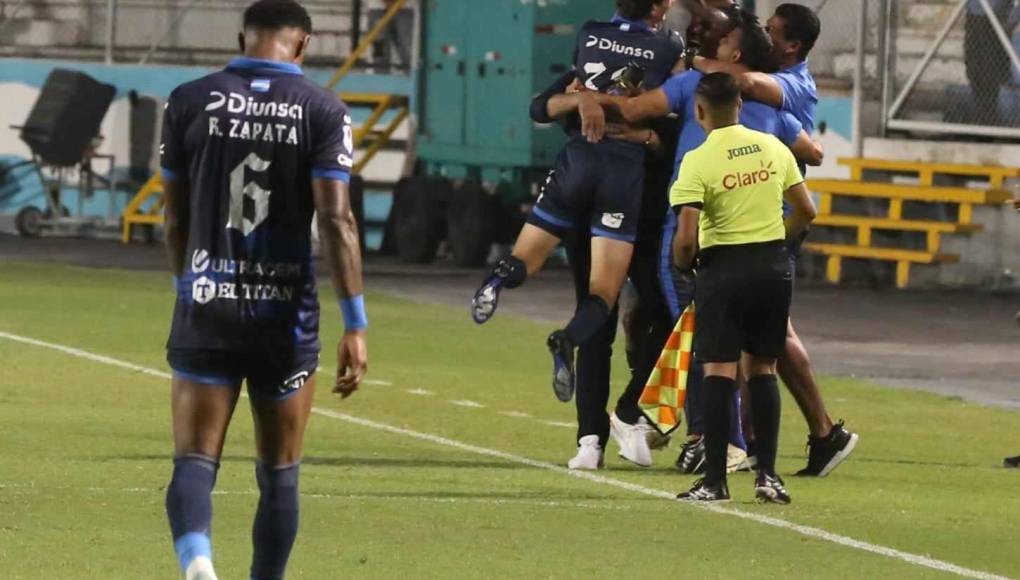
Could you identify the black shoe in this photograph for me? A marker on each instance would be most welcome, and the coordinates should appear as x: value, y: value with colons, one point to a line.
x: 1011, y: 462
x: 827, y: 453
x: 692, y: 457
x: 562, y: 350
x: 770, y: 489
x: 486, y: 299
x: 707, y: 493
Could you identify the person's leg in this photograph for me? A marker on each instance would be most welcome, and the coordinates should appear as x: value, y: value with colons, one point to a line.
x: 765, y: 410
x: 610, y: 260
x: 795, y: 370
x: 719, y: 386
x: 201, y: 413
x: 279, y: 437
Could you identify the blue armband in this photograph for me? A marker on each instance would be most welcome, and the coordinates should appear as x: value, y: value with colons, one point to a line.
x: 353, y: 311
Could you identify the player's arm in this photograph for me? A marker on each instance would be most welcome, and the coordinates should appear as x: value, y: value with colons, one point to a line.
x: 648, y: 105
x: 796, y: 194
x: 176, y: 216
x: 173, y: 162
x: 333, y: 158
x: 556, y: 101
x: 687, y: 197
x: 685, y: 242
x: 808, y: 150
x: 761, y: 87
x: 338, y: 237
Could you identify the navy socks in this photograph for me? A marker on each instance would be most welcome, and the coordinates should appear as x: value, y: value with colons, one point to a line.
x: 189, y: 506
x: 590, y: 316
x: 276, y: 521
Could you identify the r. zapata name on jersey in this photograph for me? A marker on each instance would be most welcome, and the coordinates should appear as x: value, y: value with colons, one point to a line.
x: 273, y: 122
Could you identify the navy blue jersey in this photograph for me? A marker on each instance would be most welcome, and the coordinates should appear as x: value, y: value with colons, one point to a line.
x: 249, y: 140
x: 605, y: 49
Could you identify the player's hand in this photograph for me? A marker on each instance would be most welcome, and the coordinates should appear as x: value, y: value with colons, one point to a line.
x: 593, y: 118
x: 352, y: 363
x: 624, y: 132
x: 575, y: 87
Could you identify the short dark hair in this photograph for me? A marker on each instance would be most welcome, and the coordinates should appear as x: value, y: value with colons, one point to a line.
x: 755, y: 43
x: 635, y: 9
x: 800, y: 24
x: 719, y: 89
x: 277, y: 14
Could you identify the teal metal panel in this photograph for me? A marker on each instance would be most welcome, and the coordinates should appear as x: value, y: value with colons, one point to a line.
x: 475, y: 102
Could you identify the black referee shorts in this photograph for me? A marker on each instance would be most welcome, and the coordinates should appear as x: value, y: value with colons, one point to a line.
x: 742, y: 302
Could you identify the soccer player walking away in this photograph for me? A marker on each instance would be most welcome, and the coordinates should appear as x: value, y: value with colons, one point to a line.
x: 728, y: 197
x: 595, y: 187
x: 794, y: 30
x: 248, y: 154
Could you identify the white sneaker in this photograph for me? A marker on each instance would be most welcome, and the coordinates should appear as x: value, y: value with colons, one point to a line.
x: 735, y: 458
x: 200, y: 568
x: 632, y: 439
x: 589, y: 454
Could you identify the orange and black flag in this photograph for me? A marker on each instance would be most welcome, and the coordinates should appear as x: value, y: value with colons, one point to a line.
x: 662, y: 401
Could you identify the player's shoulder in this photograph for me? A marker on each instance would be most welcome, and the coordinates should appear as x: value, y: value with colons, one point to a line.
x: 671, y: 40
x: 321, y: 98
x: 199, y: 87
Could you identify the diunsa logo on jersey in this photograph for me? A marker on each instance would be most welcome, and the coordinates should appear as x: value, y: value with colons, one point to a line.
x: 249, y: 107
x: 613, y: 46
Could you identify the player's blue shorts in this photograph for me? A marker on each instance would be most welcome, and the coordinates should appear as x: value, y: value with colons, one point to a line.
x: 599, y: 183
x: 271, y: 376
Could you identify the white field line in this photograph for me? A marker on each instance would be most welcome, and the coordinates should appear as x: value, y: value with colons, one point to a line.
x: 816, y: 533
x: 468, y: 404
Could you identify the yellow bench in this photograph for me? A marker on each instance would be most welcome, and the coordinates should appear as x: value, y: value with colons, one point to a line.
x: 898, y: 193
x: 865, y: 225
x: 136, y: 214
x: 903, y: 258
x: 926, y: 172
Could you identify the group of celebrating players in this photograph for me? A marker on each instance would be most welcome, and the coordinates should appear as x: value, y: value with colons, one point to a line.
x: 685, y: 153
x: 242, y: 185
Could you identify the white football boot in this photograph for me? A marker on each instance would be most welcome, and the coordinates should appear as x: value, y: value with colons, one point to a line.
x: 200, y: 568
x: 589, y: 454
x: 632, y: 439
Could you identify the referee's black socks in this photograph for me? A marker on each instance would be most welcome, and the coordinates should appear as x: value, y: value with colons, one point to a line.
x: 765, y: 412
x: 591, y: 314
x: 717, y: 393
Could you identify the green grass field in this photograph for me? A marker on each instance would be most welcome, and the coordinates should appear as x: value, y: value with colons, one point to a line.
x: 85, y: 446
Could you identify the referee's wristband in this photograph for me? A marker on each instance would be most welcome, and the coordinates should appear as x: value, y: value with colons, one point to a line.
x: 353, y: 311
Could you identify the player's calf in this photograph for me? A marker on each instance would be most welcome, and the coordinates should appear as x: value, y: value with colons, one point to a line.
x: 189, y: 509
x: 276, y: 520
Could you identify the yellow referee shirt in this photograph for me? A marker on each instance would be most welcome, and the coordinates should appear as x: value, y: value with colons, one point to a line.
x: 738, y: 176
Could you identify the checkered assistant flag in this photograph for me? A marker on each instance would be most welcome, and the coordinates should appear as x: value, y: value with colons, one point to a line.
x: 662, y: 401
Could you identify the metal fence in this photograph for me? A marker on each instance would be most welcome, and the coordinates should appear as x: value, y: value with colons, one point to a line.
x: 954, y: 68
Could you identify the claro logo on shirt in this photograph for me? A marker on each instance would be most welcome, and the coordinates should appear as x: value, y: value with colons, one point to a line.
x: 613, y: 46
x: 744, y: 179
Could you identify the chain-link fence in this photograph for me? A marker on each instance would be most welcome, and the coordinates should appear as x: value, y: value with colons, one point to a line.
x: 954, y: 67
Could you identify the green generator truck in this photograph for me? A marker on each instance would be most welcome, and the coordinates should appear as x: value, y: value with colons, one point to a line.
x: 480, y: 157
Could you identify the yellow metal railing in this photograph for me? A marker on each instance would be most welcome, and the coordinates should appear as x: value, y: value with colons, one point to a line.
x: 366, y: 42
x: 135, y: 214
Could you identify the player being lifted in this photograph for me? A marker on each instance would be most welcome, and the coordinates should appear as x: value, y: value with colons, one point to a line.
x: 248, y: 154
x: 596, y: 186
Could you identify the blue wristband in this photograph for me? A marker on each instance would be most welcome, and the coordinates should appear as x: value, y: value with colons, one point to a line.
x: 353, y: 311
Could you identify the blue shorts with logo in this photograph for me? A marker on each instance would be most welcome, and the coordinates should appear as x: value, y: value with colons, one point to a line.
x: 595, y: 185
x: 271, y: 376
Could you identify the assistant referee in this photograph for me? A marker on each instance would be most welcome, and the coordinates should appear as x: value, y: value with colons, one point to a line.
x: 728, y: 198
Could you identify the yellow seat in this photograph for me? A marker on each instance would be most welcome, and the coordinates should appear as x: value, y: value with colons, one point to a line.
x: 926, y: 172
x: 902, y: 258
x: 898, y: 193
x: 135, y: 212
x: 865, y: 225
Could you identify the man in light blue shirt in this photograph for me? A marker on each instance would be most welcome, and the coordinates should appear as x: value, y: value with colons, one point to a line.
x: 988, y: 63
x: 794, y: 30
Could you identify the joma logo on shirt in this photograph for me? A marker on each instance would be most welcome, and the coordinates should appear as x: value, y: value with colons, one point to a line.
x: 743, y: 179
x: 741, y: 151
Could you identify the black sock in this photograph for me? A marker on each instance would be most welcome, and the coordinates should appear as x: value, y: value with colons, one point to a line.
x: 765, y: 412
x: 276, y: 520
x: 591, y: 314
x: 189, y: 506
x: 513, y: 270
x: 718, y: 394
